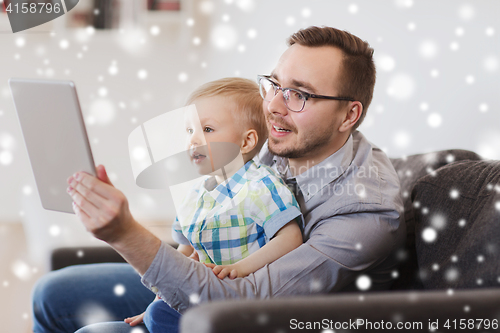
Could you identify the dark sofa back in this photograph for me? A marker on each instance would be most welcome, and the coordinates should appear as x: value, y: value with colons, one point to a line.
x: 458, y: 226
x: 410, y: 169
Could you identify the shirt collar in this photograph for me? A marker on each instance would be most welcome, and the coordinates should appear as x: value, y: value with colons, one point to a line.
x: 314, y: 179
x: 229, y: 188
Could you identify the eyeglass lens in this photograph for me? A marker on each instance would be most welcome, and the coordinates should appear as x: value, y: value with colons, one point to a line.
x: 294, y: 100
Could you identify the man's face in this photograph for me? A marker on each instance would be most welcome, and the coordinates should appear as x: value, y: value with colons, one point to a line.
x: 313, y: 132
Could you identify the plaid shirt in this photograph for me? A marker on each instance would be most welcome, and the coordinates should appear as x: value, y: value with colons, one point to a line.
x: 227, y: 222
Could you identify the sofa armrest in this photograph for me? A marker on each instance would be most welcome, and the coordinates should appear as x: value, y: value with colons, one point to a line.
x: 68, y: 256
x: 286, y: 314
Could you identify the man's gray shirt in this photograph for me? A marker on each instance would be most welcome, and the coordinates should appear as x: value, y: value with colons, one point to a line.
x: 354, y: 224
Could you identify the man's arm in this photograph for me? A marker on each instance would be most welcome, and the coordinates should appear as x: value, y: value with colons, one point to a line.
x: 340, y: 249
x: 328, y: 261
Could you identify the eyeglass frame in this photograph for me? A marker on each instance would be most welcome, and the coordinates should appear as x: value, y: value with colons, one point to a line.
x: 303, y: 93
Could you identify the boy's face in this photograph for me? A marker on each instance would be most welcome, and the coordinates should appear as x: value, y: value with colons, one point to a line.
x: 213, y: 122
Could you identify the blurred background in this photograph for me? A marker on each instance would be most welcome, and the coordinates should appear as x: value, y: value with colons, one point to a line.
x: 437, y: 88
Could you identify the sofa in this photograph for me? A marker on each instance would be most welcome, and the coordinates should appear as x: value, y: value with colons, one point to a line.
x: 449, y: 273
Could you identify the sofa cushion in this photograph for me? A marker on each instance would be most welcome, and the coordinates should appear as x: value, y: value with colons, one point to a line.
x: 457, y: 214
x: 409, y: 170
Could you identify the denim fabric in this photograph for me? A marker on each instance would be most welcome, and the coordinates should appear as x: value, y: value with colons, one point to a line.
x: 70, y: 298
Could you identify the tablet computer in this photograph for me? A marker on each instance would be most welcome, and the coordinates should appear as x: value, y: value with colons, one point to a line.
x: 54, y: 133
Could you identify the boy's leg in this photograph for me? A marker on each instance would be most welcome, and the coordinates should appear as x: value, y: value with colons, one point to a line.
x: 76, y: 296
x: 161, y: 318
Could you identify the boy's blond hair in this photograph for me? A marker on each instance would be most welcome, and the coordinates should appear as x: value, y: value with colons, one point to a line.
x: 246, y: 97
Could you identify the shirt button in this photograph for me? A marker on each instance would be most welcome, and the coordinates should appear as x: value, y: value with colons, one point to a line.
x: 154, y: 289
x: 224, y: 221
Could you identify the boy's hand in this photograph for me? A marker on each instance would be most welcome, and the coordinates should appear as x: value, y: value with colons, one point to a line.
x: 194, y: 256
x: 232, y: 271
x: 135, y: 320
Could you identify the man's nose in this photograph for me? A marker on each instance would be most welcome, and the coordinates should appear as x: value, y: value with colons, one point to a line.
x: 277, y: 104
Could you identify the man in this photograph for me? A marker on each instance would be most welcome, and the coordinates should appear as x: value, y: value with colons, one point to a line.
x: 347, y: 189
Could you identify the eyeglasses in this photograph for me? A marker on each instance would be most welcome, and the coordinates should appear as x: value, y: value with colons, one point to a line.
x: 295, y: 100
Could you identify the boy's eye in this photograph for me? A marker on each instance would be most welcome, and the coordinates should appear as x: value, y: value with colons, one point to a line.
x: 208, y: 129
x: 189, y: 130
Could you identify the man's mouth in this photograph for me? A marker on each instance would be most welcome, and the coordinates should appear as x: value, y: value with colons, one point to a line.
x: 281, y: 129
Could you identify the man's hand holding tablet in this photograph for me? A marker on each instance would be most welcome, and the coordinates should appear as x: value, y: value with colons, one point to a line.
x: 104, y: 211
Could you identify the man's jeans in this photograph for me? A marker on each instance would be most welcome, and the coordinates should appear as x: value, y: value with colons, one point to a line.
x: 68, y: 299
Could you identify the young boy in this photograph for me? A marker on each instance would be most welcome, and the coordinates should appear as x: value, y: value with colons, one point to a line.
x: 242, y: 216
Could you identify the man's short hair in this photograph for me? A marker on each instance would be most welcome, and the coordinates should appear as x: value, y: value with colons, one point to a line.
x: 245, y: 95
x: 358, y: 68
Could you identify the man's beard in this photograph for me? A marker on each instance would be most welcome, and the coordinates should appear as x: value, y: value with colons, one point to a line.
x: 304, y: 148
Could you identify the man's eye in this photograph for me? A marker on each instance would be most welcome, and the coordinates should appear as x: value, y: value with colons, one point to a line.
x: 297, y: 95
x: 189, y: 130
x: 208, y: 130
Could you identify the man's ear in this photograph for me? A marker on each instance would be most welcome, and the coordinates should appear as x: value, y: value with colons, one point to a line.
x: 250, y: 139
x: 352, y: 117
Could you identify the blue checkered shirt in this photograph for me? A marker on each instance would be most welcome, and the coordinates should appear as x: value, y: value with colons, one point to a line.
x: 227, y: 222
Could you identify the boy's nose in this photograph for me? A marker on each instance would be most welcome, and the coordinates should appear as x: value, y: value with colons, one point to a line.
x: 197, y: 139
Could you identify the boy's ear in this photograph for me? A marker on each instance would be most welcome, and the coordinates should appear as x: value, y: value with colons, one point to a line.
x: 250, y: 139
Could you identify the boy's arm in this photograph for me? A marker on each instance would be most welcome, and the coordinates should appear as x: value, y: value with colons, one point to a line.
x: 186, y: 250
x: 288, y: 238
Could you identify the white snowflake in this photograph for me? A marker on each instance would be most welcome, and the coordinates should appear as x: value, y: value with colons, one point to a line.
x: 363, y: 282
x: 154, y: 30
x: 385, y: 62
x: 54, y: 230
x: 490, y: 63
x: 424, y: 106
x: 454, y: 46
x: 182, y: 77
x: 119, y: 290
x: 224, y: 37
x: 459, y: 31
x: 454, y: 194
x: 434, y: 120
x: 466, y: 12
x: 353, y: 8
x: 470, y: 79
x: 401, y: 86
x: 483, y: 107
x: 429, y: 235
x: 194, y: 298
x: 451, y: 274
x: 64, y: 44
x: 142, y: 74
x: 252, y: 33
x: 20, y: 41
x: 428, y: 49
